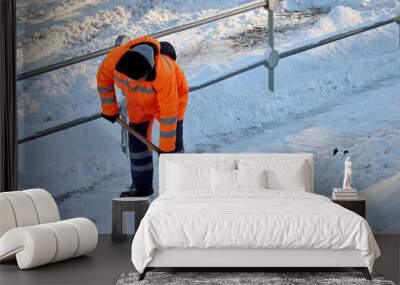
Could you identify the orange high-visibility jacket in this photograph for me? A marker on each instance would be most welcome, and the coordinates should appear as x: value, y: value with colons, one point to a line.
x: 164, y: 98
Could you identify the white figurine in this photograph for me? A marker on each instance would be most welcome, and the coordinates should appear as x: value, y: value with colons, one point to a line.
x: 347, y: 174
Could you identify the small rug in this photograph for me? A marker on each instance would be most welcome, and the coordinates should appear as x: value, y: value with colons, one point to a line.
x: 243, y: 278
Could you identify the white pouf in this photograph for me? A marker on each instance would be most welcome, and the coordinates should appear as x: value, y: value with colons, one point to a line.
x: 31, y: 232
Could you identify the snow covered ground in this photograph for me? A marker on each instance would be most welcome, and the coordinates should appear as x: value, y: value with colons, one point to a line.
x: 344, y: 95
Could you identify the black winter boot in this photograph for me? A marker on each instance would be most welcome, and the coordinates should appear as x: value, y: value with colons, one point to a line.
x: 137, y: 192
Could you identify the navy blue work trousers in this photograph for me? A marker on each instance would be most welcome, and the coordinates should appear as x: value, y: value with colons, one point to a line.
x: 141, y: 158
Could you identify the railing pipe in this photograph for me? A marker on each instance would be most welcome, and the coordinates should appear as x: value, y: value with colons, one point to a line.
x: 62, y: 64
x: 336, y: 37
x: 60, y: 127
x: 228, y: 13
x: 228, y: 75
x: 232, y: 12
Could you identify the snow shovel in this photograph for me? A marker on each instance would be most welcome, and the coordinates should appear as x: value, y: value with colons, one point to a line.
x: 138, y: 136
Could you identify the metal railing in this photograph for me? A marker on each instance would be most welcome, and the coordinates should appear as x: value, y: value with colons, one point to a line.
x: 271, y: 60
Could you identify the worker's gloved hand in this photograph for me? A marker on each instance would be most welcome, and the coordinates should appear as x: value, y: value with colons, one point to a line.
x: 111, y: 119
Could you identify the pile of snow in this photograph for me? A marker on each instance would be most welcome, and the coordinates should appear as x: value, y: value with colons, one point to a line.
x: 50, y: 10
x: 57, y: 38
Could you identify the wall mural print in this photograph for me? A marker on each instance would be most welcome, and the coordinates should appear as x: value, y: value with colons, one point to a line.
x: 334, y: 101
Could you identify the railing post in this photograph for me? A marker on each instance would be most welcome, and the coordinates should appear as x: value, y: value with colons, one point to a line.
x: 271, y: 6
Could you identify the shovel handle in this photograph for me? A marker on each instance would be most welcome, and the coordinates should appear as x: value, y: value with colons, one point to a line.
x: 138, y: 136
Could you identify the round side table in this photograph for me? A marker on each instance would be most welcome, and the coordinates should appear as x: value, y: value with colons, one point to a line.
x: 138, y: 205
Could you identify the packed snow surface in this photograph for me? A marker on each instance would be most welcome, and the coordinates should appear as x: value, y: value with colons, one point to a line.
x: 344, y: 94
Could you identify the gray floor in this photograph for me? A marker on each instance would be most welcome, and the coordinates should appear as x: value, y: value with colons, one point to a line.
x: 389, y: 262
x: 103, y: 266
x: 110, y: 260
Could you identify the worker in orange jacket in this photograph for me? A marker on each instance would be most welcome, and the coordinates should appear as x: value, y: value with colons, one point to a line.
x: 155, y: 88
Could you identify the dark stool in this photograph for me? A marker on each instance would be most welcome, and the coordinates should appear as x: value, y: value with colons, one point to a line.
x: 138, y: 205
